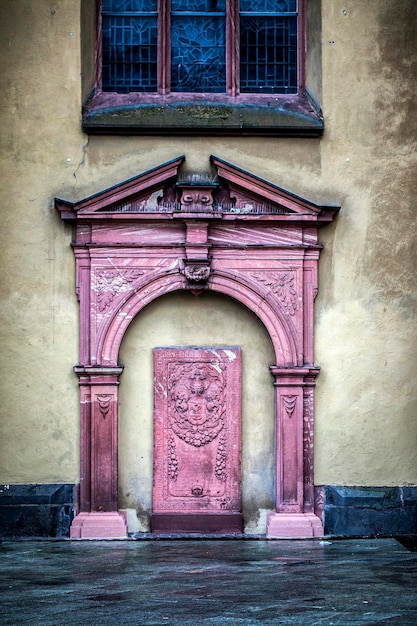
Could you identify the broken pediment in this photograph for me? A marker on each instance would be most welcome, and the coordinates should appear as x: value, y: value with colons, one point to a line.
x: 227, y: 192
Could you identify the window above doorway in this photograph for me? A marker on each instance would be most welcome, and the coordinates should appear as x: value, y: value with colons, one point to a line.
x: 201, y: 67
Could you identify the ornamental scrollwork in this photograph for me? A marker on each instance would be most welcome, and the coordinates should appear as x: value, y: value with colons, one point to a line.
x: 172, y: 459
x: 197, y: 402
x: 221, y: 458
x: 308, y: 433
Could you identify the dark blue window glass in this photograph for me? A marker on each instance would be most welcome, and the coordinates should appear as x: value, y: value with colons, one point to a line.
x: 197, y: 35
x: 198, y: 45
x: 202, y: 6
x: 269, y: 6
x: 130, y: 39
x: 198, y: 51
x: 268, y: 46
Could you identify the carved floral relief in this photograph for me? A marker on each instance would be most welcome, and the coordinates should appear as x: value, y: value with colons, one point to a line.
x: 111, y: 282
x: 283, y: 286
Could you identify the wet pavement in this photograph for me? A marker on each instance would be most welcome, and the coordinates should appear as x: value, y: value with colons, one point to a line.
x: 210, y: 582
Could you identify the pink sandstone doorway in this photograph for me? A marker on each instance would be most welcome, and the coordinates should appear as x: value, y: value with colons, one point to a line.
x: 228, y: 232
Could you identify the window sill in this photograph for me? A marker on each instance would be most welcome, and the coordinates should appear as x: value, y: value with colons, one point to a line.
x: 203, y: 114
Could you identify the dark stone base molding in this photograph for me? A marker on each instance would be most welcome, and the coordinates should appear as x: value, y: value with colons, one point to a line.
x: 369, y: 511
x: 223, y: 523
x: 36, y: 510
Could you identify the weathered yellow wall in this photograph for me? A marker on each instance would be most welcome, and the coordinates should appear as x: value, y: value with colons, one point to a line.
x: 180, y: 320
x: 366, y: 426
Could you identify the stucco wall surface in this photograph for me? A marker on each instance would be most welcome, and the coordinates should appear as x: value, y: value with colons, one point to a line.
x: 184, y: 320
x: 366, y: 426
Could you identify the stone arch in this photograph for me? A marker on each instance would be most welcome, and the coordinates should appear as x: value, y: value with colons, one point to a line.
x: 278, y: 326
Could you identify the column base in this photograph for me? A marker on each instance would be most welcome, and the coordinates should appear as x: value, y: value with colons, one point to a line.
x: 94, y: 525
x: 293, y: 526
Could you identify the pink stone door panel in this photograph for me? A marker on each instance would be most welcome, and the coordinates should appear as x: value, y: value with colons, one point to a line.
x: 197, y: 440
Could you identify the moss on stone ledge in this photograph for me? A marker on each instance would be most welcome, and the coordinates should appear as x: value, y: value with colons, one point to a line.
x: 201, y: 118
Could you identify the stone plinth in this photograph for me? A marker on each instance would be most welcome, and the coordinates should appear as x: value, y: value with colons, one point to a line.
x: 293, y: 526
x: 99, y: 526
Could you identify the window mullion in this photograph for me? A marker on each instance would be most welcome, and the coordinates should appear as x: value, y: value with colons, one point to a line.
x: 232, y: 47
x: 164, y: 47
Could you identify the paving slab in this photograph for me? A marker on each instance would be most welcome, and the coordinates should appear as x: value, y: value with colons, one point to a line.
x: 210, y: 582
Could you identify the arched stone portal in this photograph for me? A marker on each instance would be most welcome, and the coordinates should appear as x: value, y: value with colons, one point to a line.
x: 229, y: 232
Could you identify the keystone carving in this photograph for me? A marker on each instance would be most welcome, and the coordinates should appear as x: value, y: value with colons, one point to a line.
x: 197, y: 273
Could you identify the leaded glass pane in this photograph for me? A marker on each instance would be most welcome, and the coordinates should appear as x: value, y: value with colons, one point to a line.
x: 129, y: 6
x: 270, y: 6
x: 198, y: 54
x: 129, y: 53
x: 268, y: 55
x: 198, y: 6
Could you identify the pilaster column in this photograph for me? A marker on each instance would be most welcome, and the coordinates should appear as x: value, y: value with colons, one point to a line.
x: 98, y: 516
x: 294, y: 475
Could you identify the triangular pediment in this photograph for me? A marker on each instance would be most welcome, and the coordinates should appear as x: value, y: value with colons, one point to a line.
x: 249, y: 184
x: 232, y: 191
x: 131, y: 190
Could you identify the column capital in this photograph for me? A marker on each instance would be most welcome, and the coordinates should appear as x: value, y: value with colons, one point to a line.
x: 96, y: 370
x: 289, y: 376
x: 98, y: 375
